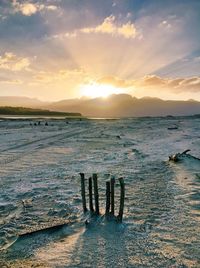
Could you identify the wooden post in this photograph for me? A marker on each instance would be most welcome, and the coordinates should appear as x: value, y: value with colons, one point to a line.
x: 83, y: 191
x: 112, y: 187
x: 96, y: 194
x: 107, y: 198
x: 122, y: 196
x: 90, y: 195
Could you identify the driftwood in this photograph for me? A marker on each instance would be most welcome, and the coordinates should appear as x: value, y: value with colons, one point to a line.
x: 122, y: 196
x: 107, y: 198
x: 96, y: 194
x: 112, y: 187
x: 90, y: 195
x: 83, y: 191
x: 95, y: 216
x: 172, y: 128
x: 180, y: 156
x: 42, y: 229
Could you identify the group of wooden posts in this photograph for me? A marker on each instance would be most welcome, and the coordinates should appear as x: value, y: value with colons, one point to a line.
x: 110, y: 197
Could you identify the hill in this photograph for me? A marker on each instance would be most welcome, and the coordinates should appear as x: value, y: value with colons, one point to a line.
x: 5, y: 110
x: 124, y: 105
x: 116, y: 105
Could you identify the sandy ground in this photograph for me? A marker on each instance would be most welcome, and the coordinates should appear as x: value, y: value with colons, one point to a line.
x: 40, y: 186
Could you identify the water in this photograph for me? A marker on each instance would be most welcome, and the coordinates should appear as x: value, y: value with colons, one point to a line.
x: 40, y: 186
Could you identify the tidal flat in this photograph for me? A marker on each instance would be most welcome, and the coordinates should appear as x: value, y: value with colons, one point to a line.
x: 40, y: 187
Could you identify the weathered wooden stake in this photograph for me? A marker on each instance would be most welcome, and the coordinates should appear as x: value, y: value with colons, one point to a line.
x: 90, y: 195
x: 122, y: 196
x: 107, y: 198
x: 96, y: 194
x: 112, y: 186
x: 83, y: 191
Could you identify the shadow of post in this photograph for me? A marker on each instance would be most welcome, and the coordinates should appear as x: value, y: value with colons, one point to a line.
x: 101, y: 246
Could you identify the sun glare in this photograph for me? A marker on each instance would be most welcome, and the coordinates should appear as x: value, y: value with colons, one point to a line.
x: 96, y: 90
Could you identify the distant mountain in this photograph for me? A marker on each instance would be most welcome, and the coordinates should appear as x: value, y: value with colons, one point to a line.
x: 21, y: 102
x: 124, y: 105
x: 116, y: 105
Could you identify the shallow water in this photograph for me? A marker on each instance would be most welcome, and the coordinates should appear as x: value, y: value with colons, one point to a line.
x: 40, y: 186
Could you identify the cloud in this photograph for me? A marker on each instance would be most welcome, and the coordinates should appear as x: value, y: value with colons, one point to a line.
x: 175, y: 82
x: 51, y: 7
x: 63, y: 36
x: 9, y: 61
x: 191, y: 84
x: 175, y: 85
x: 152, y: 80
x: 109, y: 26
x: 165, y: 24
x: 11, y: 81
x: 114, y: 81
x: 28, y: 9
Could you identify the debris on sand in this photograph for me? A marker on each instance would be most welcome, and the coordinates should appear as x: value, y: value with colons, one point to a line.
x: 180, y: 156
x: 172, y: 128
x: 110, y: 199
x: 45, y: 228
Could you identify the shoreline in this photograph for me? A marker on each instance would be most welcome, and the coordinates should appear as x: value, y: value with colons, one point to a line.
x: 82, y: 117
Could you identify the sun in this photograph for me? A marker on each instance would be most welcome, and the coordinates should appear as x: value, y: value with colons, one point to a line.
x: 95, y: 90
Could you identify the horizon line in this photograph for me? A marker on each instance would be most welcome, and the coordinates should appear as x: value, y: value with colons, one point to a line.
x: 100, y: 97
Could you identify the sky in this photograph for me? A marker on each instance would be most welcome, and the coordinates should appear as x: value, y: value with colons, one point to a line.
x: 63, y: 49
